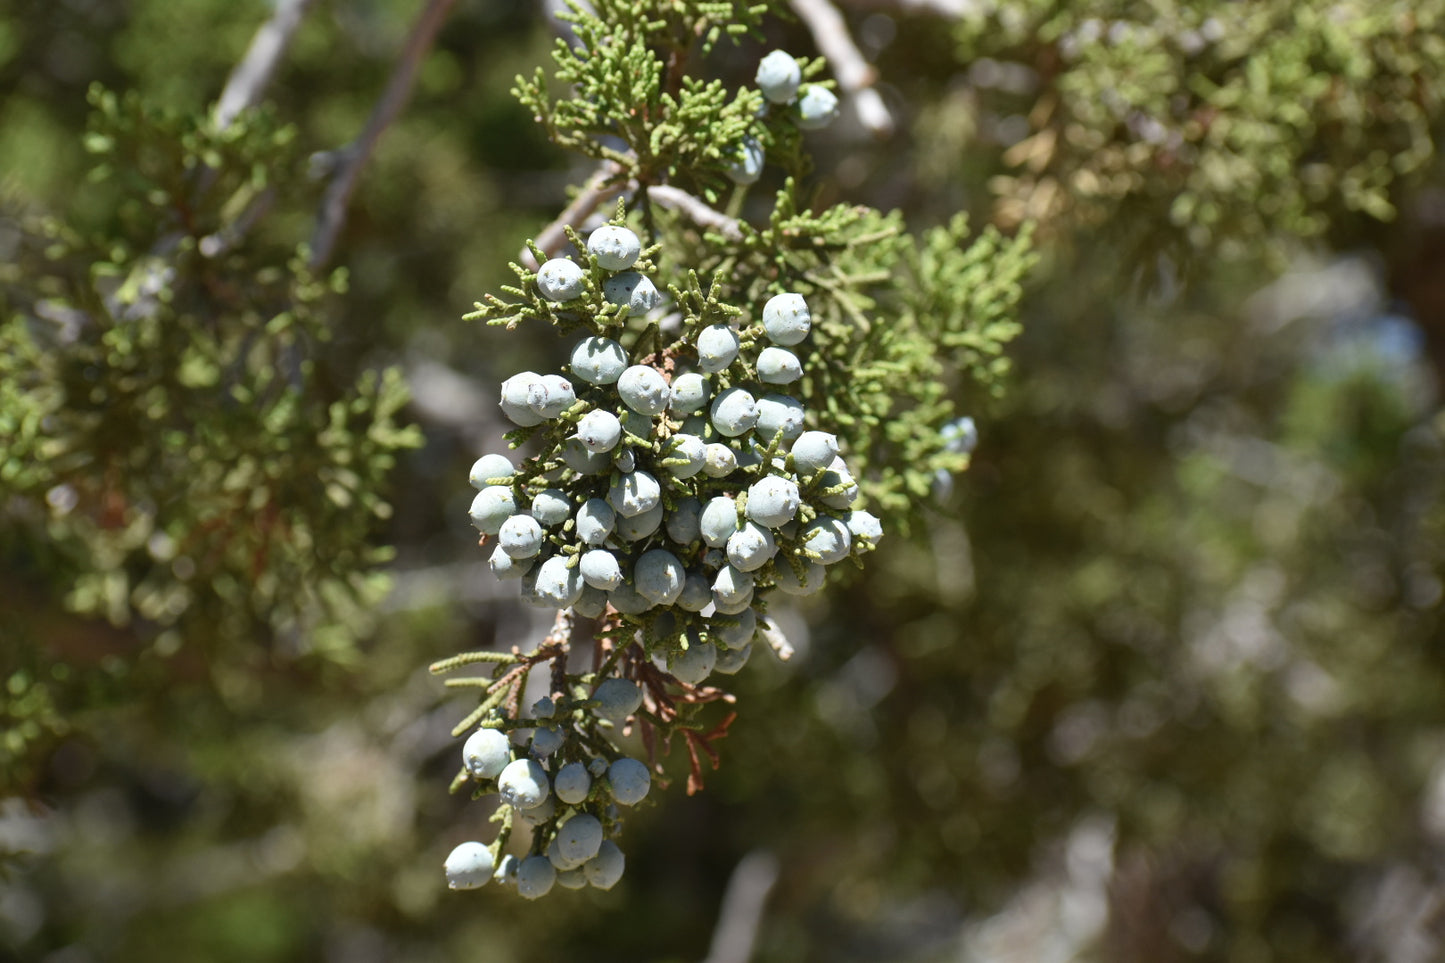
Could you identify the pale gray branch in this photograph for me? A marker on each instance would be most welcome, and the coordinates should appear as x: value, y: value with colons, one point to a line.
x: 398, y: 91
x: 742, y: 908
x: 855, y: 74
x: 600, y: 188
x: 676, y: 199
x: 249, y: 78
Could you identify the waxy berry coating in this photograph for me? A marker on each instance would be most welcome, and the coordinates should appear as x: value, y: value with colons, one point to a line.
x: 469, y: 866
x: 615, y: 248
x: 560, y: 279
x: 488, y: 467
x: 486, y: 753
x: 778, y: 77
x: 598, y: 361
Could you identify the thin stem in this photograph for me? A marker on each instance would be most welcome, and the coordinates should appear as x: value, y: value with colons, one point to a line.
x: 354, y: 157
x: 676, y: 199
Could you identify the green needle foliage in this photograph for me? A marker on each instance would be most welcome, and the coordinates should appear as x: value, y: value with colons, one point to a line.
x: 1207, y: 127
x: 176, y: 451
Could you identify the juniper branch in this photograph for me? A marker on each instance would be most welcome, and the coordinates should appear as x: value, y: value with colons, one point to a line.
x: 676, y: 199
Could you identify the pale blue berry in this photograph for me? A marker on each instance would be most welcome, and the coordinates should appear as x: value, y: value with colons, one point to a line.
x: 560, y: 279
x: 579, y: 837
x: 737, y: 631
x: 599, y: 430
x: 629, y: 781
x: 520, y: 396
x: 537, y: 815
x: 558, y: 396
x: 865, y: 528
x: 838, y: 482
x: 773, y: 501
x: 560, y: 860
x: 786, y: 319
x: 633, y: 290
x: 576, y: 457
x: 486, y: 753
x: 592, y: 603
x: 778, y: 77
x: 750, y: 547
x: 547, y: 740
x: 535, y: 877
x: 778, y: 366
x: 617, y: 699
x: 575, y: 878
x: 734, y: 412
x: 634, y: 493
x: 598, y: 361
x: 814, y: 450
x: 718, y: 521
x: 729, y: 661
x: 694, y: 665
x: 684, y: 455
x: 644, y: 390
x: 817, y: 107
x: 600, y: 569
x: 523, y: 784
x: 507, y: 568
x: 491, y: 507
x: 718, y: 461
x: 638, y: 527
x: 606, y: 868
x: 658, y: 576
x: 732, y: 586
x: 689, y: 393
x: 779, y: 413
x: 615, y: 248
x: 520, y: 536
x: 469, y: 866
x: 960, y: 436
x: 747, y: 164
x: 551, y: 507
x: 595, y: 521
x: 559, y: 584
x: 491, y: 469
x: 625, y: 599
x: 828, y: 537
x: 683, y: 521
x: 717, y: 347
x: 696, y: 593
x: 523, y: 396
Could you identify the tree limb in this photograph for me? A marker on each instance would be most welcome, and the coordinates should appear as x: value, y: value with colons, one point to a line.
x: 676, y: 199
x: 742, y: 908
x: 250, y: 77
x: 855, y: 74
x: 354, y: 156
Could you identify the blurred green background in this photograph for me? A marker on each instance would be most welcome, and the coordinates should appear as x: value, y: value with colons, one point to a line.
x: 1162, y: 678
